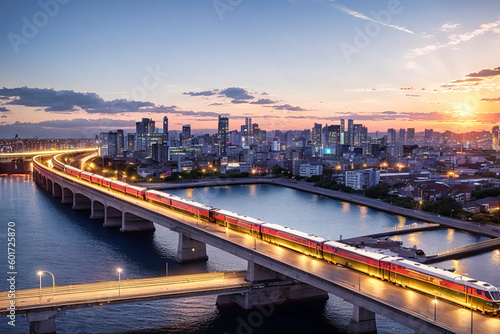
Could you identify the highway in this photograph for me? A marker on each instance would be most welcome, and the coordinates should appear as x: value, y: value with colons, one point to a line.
x: 321, y: 274
x: 124, y: 291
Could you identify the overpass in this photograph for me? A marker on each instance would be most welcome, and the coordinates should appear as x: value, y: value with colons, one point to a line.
x: 266, y: 262
x: 43, y: 305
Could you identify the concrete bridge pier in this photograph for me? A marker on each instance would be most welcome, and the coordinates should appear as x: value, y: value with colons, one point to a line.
x: 271, y: 289
x: 66, y: 196
x: 112, y: 217
x: 190, y: 250
x: 56, y: 190
x: 43, y: 322
x: 81, y: 202
x: 133, y: 223
x: 48, y: 185
x: 362, y: 321
x: 97, y: 210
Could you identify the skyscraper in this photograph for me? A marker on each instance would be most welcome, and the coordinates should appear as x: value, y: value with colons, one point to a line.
x: 402, y: 136
x: 165, y: 127
x: 350, y: 131
x: 391, y: 135
x: 186, y: 134
x: 342, y: 131
x: 223, y: 134
x: 495, y: 143
x: 143, y: 130
x: 316, y: 135
x: 410, y: 135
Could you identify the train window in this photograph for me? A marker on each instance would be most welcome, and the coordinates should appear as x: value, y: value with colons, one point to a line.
x: 479, y: 292
x: 495, y: 295
x: 487, y: 295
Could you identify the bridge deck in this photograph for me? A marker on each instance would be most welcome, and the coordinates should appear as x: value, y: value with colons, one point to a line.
x: 463, y: 251
x: 115, y: 292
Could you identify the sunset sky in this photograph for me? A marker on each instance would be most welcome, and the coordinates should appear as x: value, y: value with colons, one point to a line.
x: 76, y: 68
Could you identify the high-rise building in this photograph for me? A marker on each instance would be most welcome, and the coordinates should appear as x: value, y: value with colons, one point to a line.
x: 248, y: 126
x: 410, y: 135
x: 350, y: 131
x: 495, y: 139
x: 165, y: 126
x: 391, y: 135
x: 402, y: 136
x: 142, y: 131
x: 333, y: 136
x: 316, y: 135
x: 185, y: 135
x: 223, y: 134
x: 342, y: 131
x: 429, y: 133
x: 356, y: 135
x: 111, y: 144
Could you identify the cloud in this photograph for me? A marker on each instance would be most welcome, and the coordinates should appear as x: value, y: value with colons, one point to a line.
x: 367, y: 18
x: 495, y: 99
x: 468, y: 80
x: 289, y: 107
x: 485, y: 73
x: 413, y: 95
x: 216, y: 104
x: 203, y: 93
x: 239, y: 101
x: 3, y: 109
x: 236, y: 93
x: 64, y: 101
x: 455, y: 39
x: 263, y: 101
x: 3, y: 116
x: 447, y: 27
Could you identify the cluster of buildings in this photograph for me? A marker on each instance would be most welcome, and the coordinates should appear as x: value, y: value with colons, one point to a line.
x: 347, y: 148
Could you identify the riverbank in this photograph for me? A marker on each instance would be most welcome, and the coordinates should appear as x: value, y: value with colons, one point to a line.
x: 469, y: 226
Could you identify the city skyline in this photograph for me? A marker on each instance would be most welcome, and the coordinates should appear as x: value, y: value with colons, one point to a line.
x: 286, y: 64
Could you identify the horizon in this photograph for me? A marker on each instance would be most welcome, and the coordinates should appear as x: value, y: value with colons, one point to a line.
x: 285, y: 64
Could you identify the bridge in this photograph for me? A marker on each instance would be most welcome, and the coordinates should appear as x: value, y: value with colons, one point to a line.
x: 44, y: 304
x: 266, y: 262
x: 459, y: 252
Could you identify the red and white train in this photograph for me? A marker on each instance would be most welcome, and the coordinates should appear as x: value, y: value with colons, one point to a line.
x: 462, y: 290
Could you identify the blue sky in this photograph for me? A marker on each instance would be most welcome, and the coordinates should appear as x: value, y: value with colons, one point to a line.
x: 404, y: 62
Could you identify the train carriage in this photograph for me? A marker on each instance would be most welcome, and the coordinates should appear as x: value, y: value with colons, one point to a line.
x: 135, y: 191
x: 96, y: 179
x: 190, y: 207
x: 106, y: 182
x: 118, y: 185
x: 358, y: 259
x: 462, y: 290
x: 237, y: 222
x: 299, y: 241
x: 158, y: 197
x: 85, y: 175
x: 72, y: 171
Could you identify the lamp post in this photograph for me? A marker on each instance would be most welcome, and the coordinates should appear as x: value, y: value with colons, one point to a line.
x: 435, y: 307
x: 119, y: 280
x: 40, y: 274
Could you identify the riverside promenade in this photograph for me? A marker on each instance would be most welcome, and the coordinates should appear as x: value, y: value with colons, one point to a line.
x: 490, y: 230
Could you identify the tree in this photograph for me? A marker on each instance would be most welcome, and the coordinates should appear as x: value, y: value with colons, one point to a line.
x: 378, y: 191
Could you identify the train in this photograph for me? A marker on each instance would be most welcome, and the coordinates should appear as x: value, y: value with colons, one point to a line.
x: 477, y: 295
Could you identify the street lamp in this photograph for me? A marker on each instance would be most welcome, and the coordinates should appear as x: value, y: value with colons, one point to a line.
x: 435, y: 307
x: 119, y: 270
x: 40, y: 273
